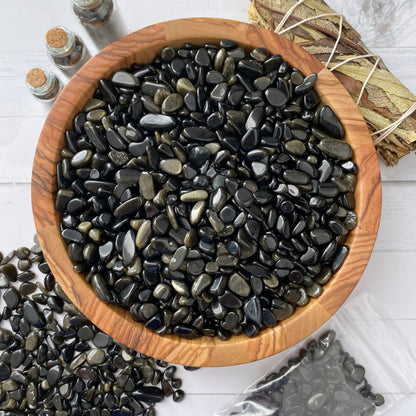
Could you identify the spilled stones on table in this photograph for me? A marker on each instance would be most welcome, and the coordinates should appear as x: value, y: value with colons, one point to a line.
x: 55, y: 362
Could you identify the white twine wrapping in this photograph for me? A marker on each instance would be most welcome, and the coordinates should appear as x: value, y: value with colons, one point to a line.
x: 386, y: 131
x: 353, y: 58
x: 390, y: 129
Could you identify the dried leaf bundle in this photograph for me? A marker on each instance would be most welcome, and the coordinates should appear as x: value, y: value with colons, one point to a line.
x: 382, y: 101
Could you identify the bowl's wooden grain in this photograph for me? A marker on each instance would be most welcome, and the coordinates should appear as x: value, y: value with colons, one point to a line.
x: 142, y: 46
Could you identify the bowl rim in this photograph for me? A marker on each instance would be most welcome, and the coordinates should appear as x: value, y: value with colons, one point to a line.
x: 204, y: 351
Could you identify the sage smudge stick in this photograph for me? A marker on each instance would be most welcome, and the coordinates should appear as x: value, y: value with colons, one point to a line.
x: 385, y: 103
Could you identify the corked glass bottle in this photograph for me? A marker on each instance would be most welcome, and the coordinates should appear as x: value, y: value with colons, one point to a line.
x: 66, y: 49
x: 101, y: 20
x: 43, y: 84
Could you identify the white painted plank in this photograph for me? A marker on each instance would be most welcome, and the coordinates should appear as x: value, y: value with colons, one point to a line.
x: 194, y: 404
x: 17, y: 132
x: 397, y: 231
x: 391, y: 268
x: 398, y: 221
x: 19, y: 105
x: 17, y: 147
x: 142, y: 16
x: 207, y: 405
x: 390, y: 277
x: 388, y: 274
x: 16, y: 221
x: 401, y: 62
x: 16, y: 100
x: 20, y: 135
x: 405, y: 170
x: 28, y: 51
x: 381, y: 22
x: 405, y: 407
x: 137, y: 14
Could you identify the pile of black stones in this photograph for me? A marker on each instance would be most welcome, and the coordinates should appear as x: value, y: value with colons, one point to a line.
x: 323, y: 380
x: 209, y: 192
x: 55, y: 362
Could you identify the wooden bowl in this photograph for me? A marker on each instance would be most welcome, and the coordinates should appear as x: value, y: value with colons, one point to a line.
x: 142, y: 46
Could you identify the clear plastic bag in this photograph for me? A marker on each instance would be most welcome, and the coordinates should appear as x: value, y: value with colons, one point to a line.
x: 338, y: 371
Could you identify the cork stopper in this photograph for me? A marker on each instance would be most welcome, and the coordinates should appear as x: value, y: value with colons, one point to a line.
x: 56, y: 37
x: 36, y: 77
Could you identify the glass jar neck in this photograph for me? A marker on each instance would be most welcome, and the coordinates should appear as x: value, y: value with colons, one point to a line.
x: 67, y: 48
x: 87, y: 4
x: 92, y: 11
x: 46, y: 88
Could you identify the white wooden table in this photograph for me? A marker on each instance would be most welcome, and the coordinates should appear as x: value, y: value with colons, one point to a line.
x: 391, y: 272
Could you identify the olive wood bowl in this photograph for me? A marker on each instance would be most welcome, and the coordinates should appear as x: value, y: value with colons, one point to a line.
x: 141, y: 47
